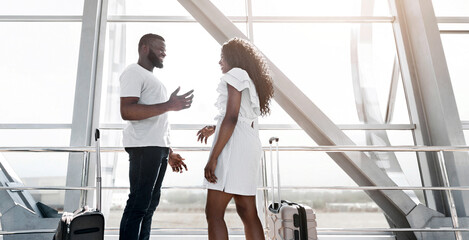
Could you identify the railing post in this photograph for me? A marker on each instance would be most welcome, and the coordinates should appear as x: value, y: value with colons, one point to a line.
x: 449, y: 195
x: 84, y: 177
x: 264, y: 185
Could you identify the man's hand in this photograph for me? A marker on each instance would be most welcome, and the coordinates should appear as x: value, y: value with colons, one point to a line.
x: 204, y: 133
x: 179, y: 102
x: 176, y: 162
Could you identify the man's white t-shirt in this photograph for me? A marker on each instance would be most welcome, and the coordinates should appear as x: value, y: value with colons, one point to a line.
x: 137, y: 81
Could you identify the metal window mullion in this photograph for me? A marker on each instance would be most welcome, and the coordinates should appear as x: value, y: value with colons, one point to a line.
x: 454, y: 31
x: 249, y: 23
x: 35, y: 126
x: 35, y: 18
x: 120, y: 126
x: 449, y: 195
x: 142, y: 18
x: 85, y: 112
x: 392, y: 91
x: 183, y: 231
x: 345, y: 148
x: 263, y: 188
x: 452, y: 19
x: 100, y: 37
x: 258, y: 19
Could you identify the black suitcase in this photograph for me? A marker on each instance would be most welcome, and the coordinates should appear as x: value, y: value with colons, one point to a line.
x: 84, y: 223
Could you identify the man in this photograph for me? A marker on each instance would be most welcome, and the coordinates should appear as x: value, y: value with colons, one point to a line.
x: 144, y: 104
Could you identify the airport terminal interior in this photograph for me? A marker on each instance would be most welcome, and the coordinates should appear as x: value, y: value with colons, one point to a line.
x: 370, y: 107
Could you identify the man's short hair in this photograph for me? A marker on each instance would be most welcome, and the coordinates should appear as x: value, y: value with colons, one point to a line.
x: 148, y: 38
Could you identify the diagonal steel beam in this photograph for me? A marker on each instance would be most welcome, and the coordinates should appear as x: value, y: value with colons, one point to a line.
x: 396, y: 204
x: 430, y: 96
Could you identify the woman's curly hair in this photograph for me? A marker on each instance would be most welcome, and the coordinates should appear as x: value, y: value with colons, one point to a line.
x: 242, y: 54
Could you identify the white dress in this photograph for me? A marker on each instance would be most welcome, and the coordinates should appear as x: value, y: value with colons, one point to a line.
x: 237, y: 168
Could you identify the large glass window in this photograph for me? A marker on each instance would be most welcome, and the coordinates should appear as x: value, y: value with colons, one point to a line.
x: 457, y: 57
x: 169, y: 8
x: 38, y: 68
x: 315, y: 56
x: 316, y: 8
x: 44, y: 7
x: 317, y: 59
x: 453, y: 8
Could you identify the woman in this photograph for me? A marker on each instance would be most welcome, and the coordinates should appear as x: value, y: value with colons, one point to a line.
x: 232, y: 169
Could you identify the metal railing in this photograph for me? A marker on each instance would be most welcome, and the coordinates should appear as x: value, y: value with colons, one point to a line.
x: 438, y: 149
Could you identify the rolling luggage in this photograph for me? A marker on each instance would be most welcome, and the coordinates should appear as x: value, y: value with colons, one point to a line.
x: 84, y: 223
x: 287, y: 220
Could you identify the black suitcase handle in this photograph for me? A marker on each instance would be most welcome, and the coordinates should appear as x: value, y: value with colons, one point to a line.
x: 98, y: 170
x: 272, y: 139
x: 275, y: 206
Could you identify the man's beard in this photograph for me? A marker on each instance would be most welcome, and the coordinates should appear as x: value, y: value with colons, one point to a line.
x: 154, y: 59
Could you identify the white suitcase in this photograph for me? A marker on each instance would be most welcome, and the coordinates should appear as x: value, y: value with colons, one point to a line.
x: 287, y: 220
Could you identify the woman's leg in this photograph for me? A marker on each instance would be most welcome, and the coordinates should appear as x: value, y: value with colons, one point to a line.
x: 215, y: 213
x: 246, y: 208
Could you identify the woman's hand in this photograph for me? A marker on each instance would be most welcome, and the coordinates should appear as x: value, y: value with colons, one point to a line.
x: 204, y: 133
x: 176, y: 162
x: 210, y: 171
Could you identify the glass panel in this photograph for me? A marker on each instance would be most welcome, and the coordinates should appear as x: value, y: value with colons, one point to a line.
x: 287, y: 137
x: 406, y: 161
x: 409, y: 165
x: 25, y: 165
x: 382, y: 63
x: 44, y: 7
x: 309, y: 169
x: 457, y: 57
x: 466, y: 135
x: 401, y: 112
x: 34, y: 137
x: 146, y: 7
x: 445, y: 8
x: 38, y: 67
x: 401, y: 138
x: 231, y: 8
x: 314, y: 8
x: 453, y: 26
x: 277, y: 115
x: 52, y: 171
x: 191, y: 62
x: 170, y: 8
x: 317, y: 59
